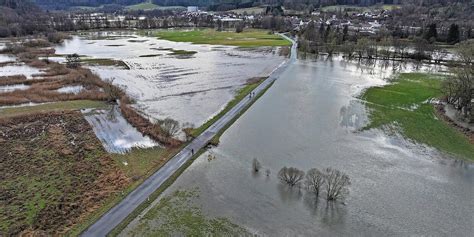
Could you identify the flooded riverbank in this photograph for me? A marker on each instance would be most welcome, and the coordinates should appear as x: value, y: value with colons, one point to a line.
x: 189, y: 83
x: 310, y: 118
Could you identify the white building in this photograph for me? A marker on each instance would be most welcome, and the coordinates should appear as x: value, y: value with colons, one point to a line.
x: 193, y: 8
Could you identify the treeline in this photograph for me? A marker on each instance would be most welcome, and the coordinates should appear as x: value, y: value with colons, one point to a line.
x: 18, y: 18
x: 64, y: 4
x: 322, y: 38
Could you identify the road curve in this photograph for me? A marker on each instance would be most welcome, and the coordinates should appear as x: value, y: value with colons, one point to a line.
x: 119, y: 212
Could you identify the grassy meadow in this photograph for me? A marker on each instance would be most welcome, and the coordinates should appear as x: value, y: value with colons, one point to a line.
x: 402, y: 106
x: 248, y: 38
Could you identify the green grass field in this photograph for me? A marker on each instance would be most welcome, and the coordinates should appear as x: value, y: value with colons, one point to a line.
x: 249, y: 10
x: 402, y: 104
x: 248, y: 38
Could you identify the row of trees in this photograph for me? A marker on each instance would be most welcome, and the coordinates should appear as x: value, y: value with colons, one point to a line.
x: 459, y: 87
x: 322, y: 38
x: 332, y: 182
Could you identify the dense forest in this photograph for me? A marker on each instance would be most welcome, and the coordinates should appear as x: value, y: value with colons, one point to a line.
x: 214, y: 4
x: 19, y: 18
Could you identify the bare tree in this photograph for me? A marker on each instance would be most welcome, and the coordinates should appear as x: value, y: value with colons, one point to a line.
x: 336, y: 184
x: 169, y: 127
x: 256, y: 166
x: 459, y: 87
x: 314, y: 180
x: 113, y: 92
x: 290, y: 176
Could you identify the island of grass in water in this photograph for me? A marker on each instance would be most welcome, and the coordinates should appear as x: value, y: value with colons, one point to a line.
x: 404, y: 106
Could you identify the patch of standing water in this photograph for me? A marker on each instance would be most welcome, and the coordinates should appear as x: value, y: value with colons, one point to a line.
x: 190, y: 89
x: 12, y: 70
x: 6, y: 58
x: 115, y: 133
x: 21, y: 105
x: 71, y: 89
x: 307, y: 119
x: 10, y: 88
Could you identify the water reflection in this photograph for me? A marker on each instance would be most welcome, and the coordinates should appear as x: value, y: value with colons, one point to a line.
x: 398, y: 187
x: 353, y: 116
x: 190, y: 88
x: 289, y: 193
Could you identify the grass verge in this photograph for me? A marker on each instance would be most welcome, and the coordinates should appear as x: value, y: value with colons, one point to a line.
x: 215, y: 140
x: 242, y: 93
x: 402, y: 106
x: 248, y: 38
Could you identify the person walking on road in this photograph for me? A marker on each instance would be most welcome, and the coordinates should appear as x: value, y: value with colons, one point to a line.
x: 192, y: 151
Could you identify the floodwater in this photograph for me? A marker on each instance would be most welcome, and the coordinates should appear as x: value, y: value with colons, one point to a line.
x: 6, y: 58
x: 310, y: 118
x: 71, y: 89
x: 9, y: 88
x: 115, y: 133
x: 188, y: 88
x: 19, y: 69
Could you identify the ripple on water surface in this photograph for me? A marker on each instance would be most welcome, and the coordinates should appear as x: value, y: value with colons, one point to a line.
x: 309, y: 118
x: 190, y: 89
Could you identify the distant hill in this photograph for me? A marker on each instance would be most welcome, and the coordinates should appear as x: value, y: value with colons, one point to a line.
x: 232, y: 4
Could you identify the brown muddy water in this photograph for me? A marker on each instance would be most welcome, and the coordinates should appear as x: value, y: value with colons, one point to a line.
x: 310, y: 118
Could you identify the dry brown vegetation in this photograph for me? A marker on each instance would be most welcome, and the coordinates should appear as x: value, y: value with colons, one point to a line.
x: 43, y: 87
x: 146, y: 127
x: 53, y: 172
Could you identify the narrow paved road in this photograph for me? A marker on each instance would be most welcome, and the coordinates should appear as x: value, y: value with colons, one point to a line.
x: 120, y: 211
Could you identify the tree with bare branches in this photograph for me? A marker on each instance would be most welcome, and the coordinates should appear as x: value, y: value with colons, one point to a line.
x: 314, y: 181
x: 169, y: 127
x: 291, y: 176
x: 336, y: 184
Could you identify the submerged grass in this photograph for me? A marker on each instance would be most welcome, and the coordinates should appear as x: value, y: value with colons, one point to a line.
x: 57, y: 106
x: 104, y: 62
x: 177, y: 214
x: 118, y: 229
x: 402, y: 105
x: 248, y: 38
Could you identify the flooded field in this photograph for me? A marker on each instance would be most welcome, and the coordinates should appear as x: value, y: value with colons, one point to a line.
x: 189, y: 83
x: 115, y: 133
x: 19, y: 69
x: 310, y: 118
x: 9, y: 88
